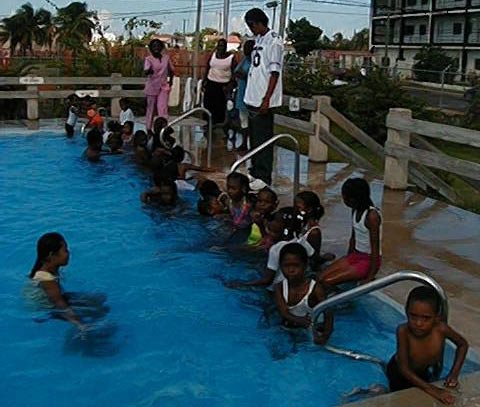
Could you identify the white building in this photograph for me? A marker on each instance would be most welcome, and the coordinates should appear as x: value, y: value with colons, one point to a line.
x: 453, y: 25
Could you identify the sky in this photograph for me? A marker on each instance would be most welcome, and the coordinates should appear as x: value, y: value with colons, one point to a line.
x: 347, y: 17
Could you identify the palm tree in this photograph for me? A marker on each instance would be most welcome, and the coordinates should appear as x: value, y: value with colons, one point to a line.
x: 45, y: 28
x: 75, y: 26
x: 26, y: 27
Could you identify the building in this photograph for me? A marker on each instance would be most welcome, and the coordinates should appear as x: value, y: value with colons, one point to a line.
x: 453, y: 25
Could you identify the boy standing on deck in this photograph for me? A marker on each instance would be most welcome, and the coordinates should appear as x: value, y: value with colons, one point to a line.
x: 420, y: 345
x: 263, y: 93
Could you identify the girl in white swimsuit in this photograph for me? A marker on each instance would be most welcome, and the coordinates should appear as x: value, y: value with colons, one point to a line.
x: 296, y: 295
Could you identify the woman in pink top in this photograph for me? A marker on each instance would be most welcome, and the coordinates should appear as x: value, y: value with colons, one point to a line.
x: 159, y: 71
x: 218, y: 77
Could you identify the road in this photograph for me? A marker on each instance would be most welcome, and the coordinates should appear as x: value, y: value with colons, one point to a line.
x: 433, y: 97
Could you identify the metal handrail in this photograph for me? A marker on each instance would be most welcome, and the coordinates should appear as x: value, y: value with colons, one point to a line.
x: 375, y: 285
x: 187, y: 114
x: 251, y: 153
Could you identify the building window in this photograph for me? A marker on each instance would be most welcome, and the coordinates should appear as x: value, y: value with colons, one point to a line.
x: 457, y: 28
x: 409, y: 29
x: 423, y: 29
x: 477, y: 64
x: 411, y: 3
x: 424, y: 2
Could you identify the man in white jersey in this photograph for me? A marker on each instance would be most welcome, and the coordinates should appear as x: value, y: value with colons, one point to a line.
x: 263, y: 93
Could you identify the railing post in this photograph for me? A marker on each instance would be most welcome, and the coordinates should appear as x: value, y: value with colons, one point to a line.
x: 396, y: 169
x: 317, y: 149
x: 32, y: 109
x: 115, y: 101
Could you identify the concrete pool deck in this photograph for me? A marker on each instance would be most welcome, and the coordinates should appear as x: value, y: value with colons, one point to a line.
x: 419, y: 233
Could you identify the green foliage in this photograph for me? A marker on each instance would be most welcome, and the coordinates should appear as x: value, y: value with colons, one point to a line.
x: 25, y: 27
x: 433, y: 59
x: 304, y: 36
x: 367, y: 104
x: 471, y: 119
x: 134, y: 23
x: 76, y: 25
x: 301, y: 81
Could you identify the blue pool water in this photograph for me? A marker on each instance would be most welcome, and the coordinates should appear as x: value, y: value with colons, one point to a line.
x: 174, y: 336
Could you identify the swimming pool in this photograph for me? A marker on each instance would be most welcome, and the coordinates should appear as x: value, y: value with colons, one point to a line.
x: 176, y: 336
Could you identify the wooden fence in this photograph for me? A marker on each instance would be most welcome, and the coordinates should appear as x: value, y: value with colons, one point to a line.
x: 403, y: 131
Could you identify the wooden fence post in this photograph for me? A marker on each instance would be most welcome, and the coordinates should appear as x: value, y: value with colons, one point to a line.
x: 32, y: 110
x: 115, y: 102
x: 396, y: 169
x: 317, y: 149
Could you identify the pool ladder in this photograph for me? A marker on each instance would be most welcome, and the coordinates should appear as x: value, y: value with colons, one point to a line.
x: 403, y: 275
x: 296, y: 168
x: 188, y: 114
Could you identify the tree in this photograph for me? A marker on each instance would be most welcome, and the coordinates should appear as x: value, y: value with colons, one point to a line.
x: 27, y: 27
x: 431, y: 62
x: 360, y: 40
x: 134, y: 23
x: 76, y: 25
x: 339, y: 42
x: 304, y: 36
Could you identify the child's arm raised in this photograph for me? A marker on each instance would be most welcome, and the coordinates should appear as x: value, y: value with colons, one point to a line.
x: 373, y: 225
x: 303, y: 322
x: 460, y: 354
x: 403, y: 363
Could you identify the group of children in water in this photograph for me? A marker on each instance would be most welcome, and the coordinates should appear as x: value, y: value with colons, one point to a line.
x: 298, y: 273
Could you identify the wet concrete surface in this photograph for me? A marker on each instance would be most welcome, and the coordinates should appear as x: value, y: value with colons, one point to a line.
x: 466, y: 395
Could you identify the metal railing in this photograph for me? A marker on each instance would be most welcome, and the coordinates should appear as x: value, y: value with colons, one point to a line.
x: 250, y: 154
x: 188, y: 114
x: 405, y: 275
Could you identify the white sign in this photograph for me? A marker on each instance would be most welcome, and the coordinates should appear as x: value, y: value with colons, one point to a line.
x: 31, y: 80
x: 294, y: 104
x: 82, y: 93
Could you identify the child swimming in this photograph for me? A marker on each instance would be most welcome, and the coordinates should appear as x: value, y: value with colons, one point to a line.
x: 297, y: 295
x: 265, y: 205
x: 140, y: 151
x: 127, y: 131
x: 95, y: 143
x: 364, y: 252
x: 281, y: 230
x: 209, y: 203
x: 52, y: 253
x: 309, y: 211
x: 420, y: 346
x: 239, y: 202
x: 164, y: 192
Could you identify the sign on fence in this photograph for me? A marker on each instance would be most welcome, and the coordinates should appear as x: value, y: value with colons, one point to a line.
x: 31, y: 80
x: 93, y: 93
x: 294, y: 104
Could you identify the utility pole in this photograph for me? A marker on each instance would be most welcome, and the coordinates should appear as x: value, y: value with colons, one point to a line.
x: 184, y: 26
x: 226, y: 11
x: 219, y: 14
x: 387, y: 41
x: 283, y: 18
x: 197, y: 41
x: 273, y: 4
